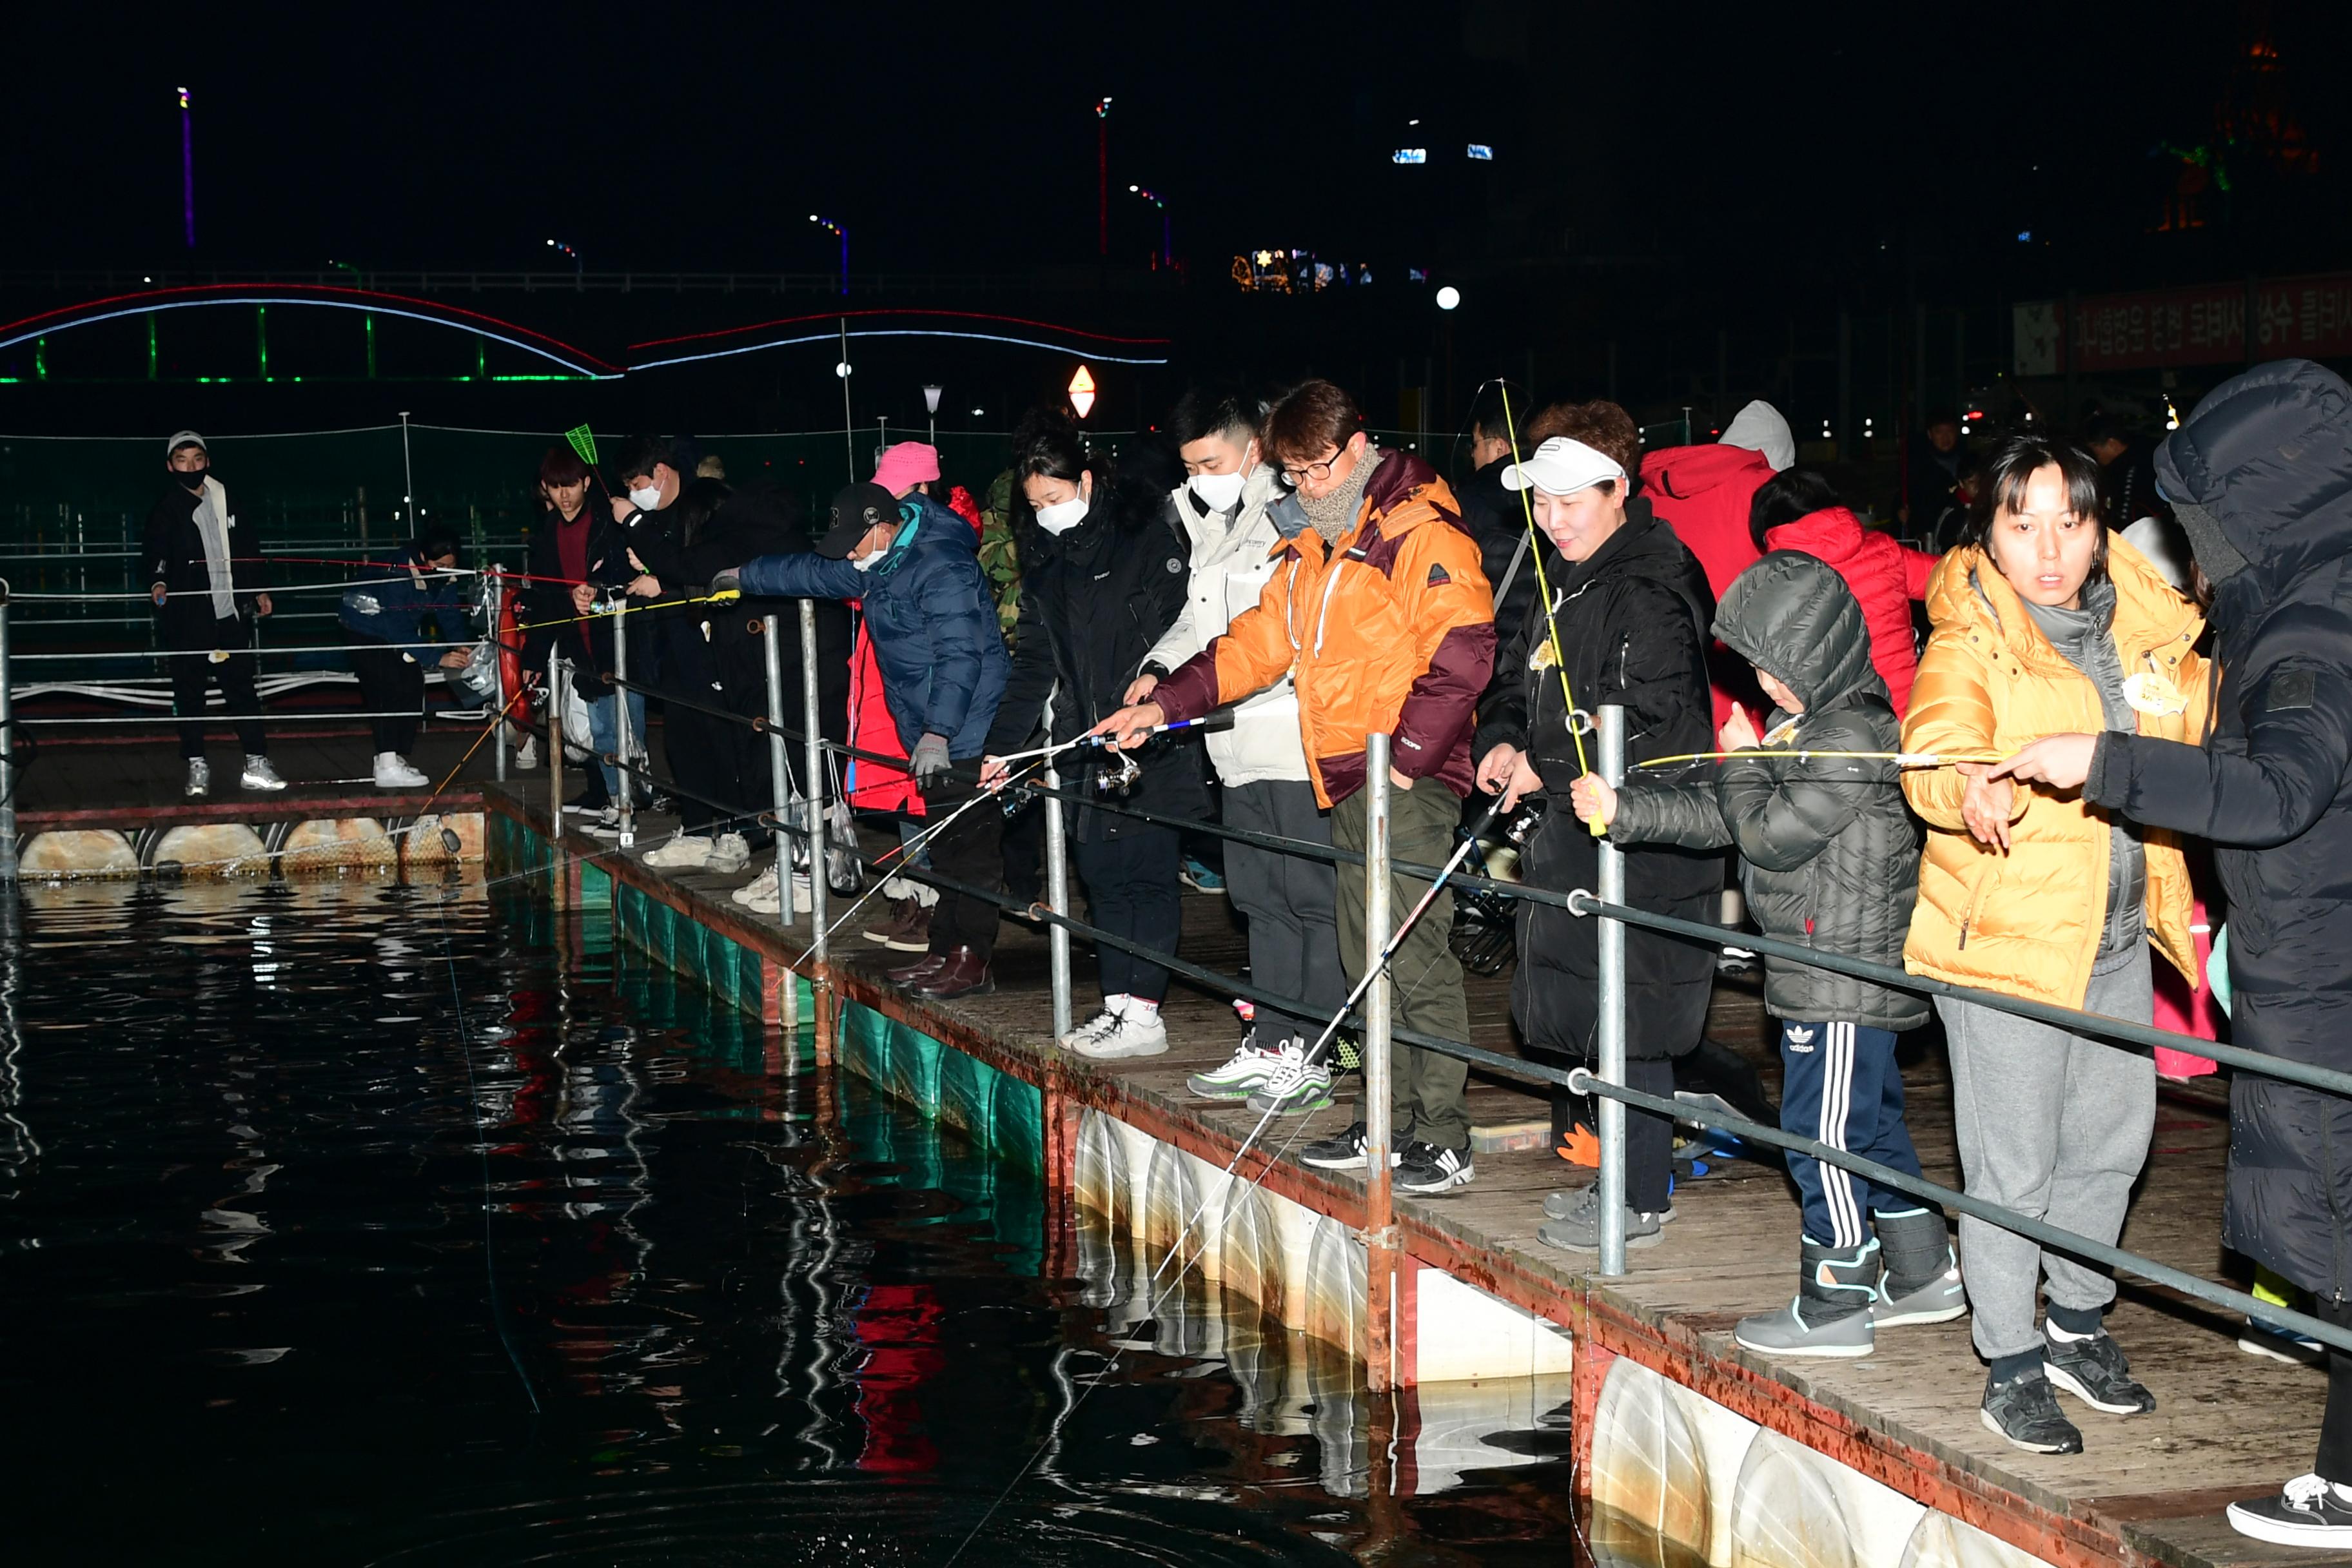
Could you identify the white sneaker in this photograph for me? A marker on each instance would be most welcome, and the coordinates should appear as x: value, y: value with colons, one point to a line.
x: 526, y: 754
x: 728, y: 854
x: 605, y: 823
x: 200, y: 779
x: 762, y: 886
x: 259, y: 775
x: 766, y: 903
x: 1102, y: 1023
x: 684, y: 852
x: 393, y: 771
x: 1138, y: 1032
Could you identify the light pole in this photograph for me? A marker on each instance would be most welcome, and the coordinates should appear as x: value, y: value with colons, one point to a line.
x: 1167, y: 257
x: 931, y: 402
x: 188, y: 168
x: 840, y: 232
x: 1102, y: 178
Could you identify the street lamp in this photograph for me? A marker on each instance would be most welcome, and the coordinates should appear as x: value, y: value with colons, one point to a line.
x: 931, y: 402
x: 840, y: 232
x: 1448, y: 296
x: 1167, y: 257
x: 1102, y: 178
x: 567, y: 250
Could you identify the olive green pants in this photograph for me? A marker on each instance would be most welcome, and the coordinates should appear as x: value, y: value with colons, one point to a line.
x: 1425, y: 1088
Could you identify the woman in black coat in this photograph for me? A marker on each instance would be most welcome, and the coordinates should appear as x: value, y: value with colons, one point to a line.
x: 2260, y: 478
x: 1631, y: 607
x: 1104, y: 569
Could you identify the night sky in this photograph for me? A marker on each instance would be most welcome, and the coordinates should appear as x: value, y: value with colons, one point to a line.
x: 1801, y: 141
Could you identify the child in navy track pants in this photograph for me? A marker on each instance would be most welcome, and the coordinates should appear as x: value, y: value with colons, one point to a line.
x: 1830, y: 857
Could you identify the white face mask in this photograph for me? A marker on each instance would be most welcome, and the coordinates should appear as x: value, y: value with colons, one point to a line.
x: 1062, y: 516
x: 867, y: 562
x: 1218, y: 493
x: 647, y: 499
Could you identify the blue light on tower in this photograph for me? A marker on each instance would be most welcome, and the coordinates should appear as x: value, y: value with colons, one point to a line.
x: 1481, y: 153
x: 1409, y: 156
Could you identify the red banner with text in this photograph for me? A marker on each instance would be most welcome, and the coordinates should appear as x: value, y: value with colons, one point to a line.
x: 2309, y: 318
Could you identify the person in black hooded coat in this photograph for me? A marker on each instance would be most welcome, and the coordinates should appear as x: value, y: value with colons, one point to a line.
x: 2260, y: 478
x: 1104, y: 570
x: 1632, y: 613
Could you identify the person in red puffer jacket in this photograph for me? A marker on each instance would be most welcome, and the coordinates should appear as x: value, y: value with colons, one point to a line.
x: 1703, y: 493
x: 1801, y: 511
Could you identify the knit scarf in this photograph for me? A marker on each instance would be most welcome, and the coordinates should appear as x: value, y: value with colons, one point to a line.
x: 212, y: 521
x: 1334, y: 514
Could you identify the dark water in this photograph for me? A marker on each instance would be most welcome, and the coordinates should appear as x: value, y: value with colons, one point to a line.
x: 346, y: 1222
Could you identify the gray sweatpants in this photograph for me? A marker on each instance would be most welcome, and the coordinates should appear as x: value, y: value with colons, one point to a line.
x: 2056, y: 1126
x: 1294, y: 939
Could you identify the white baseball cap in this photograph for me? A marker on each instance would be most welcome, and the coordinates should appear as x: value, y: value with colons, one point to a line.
x: 1562, y: 466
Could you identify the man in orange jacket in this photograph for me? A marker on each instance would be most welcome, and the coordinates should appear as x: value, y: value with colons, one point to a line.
x: 1379, y: 608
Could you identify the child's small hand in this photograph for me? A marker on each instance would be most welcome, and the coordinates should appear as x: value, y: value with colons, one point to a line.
x: 1593, y: 799
x: 1738, y: 732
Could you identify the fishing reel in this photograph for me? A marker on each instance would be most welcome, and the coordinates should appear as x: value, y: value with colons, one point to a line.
x: 1120, y: 773
x: 1486, y: 923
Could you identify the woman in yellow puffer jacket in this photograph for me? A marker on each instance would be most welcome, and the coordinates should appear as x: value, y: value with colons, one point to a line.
x: 2045, y: 622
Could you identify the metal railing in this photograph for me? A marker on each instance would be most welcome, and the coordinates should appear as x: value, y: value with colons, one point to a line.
x: 800, y: 815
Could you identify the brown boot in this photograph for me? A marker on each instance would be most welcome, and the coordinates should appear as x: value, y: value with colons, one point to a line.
x: 965, y: 974
x: 909, y: 929
x: 922, y: 969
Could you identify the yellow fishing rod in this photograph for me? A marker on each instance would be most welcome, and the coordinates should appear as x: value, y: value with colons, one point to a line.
x: 1900, y: 759
x: 1543, y: 589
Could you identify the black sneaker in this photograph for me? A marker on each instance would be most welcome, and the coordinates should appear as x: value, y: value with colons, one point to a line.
x: 1345, y: 1152
x: 2025, y: 1411
x: 2307, y: 1512
x: 1425, y: 1168
x: 2094, y: 1372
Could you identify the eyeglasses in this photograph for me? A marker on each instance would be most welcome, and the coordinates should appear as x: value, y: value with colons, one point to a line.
x: 1319, y: 472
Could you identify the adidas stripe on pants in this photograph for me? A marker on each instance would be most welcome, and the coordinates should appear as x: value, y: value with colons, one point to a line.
x: 1839, y: 1085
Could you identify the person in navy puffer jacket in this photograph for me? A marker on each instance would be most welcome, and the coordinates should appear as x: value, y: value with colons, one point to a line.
x: 932, y: 619
x: 384, y: 614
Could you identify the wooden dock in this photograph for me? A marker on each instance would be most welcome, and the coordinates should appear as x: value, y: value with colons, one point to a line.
x: 2151, y: 1489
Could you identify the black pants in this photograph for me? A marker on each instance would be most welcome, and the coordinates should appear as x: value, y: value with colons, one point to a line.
x: 968, y: 850
x: 1649, y: 1140
x: 1289, y: 901
x: 1132, y: 892
x: 193, y: 633
x: 390, y: 682
x: 701, y: 748
x: 2335, y: 1462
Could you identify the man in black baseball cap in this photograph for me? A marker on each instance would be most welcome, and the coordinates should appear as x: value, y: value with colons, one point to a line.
x: 915, y: 566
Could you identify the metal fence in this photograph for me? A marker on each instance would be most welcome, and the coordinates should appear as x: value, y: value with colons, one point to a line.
x: 1370, y: 1010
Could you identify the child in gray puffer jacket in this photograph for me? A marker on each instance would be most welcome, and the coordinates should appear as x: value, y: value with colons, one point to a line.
x: 1830, y: 857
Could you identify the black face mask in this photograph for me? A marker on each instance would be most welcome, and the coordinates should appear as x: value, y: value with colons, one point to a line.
x: 193, y: 480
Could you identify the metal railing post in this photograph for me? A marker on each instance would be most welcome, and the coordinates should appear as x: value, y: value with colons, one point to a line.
x: 1057, y: 898
x: 623, y: 742
x: 1379, y: 1213
x: 555, y: 777
x: 495, y: 603
x: 780, y: 777
x: 812, y: 819
x: 1610, y: 734
x: 8, y: 773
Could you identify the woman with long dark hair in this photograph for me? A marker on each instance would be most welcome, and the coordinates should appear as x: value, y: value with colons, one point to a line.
x: 1103, y: 576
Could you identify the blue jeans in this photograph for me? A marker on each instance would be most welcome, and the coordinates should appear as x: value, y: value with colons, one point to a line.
x: 605, y: 734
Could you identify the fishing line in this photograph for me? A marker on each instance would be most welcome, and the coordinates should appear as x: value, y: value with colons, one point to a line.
x: 1535, y: 543
x: 1220, y: 1188
x: 482, y: 1150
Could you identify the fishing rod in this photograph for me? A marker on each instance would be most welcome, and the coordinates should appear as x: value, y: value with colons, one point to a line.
x: 1543, y: 590
x: 1912, y: 760
x: 1152, y: 1309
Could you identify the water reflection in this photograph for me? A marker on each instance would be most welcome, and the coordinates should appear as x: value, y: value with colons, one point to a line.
x: 329, y: 1172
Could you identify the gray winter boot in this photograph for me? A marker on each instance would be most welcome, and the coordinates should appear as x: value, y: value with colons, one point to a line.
x: 1829, y: 1314
x: 1923, y: 1278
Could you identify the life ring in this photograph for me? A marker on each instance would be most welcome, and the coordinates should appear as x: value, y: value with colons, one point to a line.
x: 510, y: 657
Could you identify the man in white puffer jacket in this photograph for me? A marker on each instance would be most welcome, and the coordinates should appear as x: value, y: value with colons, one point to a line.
x: 1236, y: 511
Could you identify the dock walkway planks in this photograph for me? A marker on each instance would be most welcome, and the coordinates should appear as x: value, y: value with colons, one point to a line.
x: 2227, y: 1424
